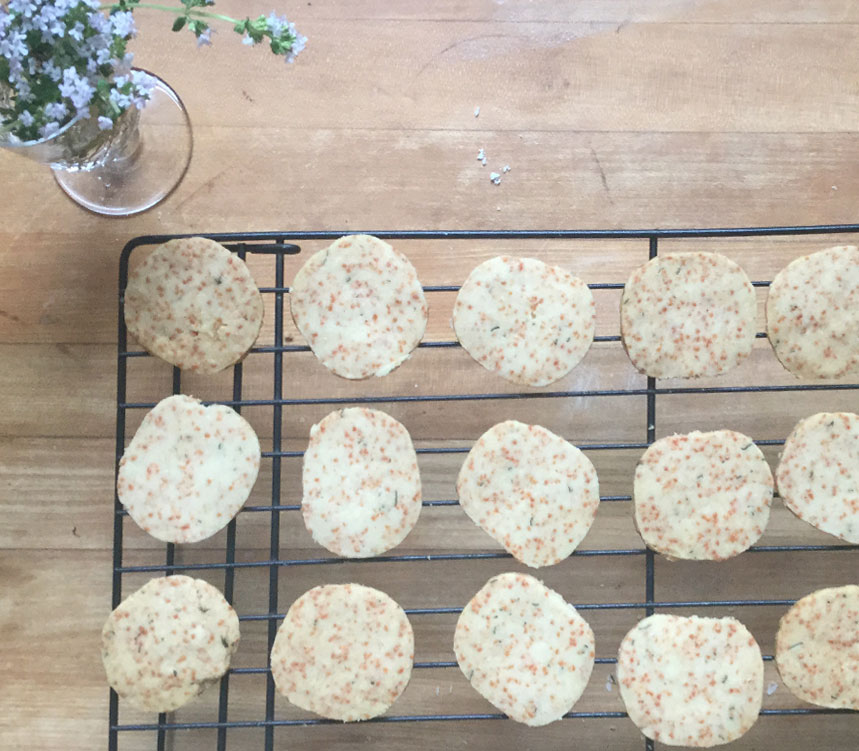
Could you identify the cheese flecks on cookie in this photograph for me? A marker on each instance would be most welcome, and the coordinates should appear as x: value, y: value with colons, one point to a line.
x: 343, y: 651
x: 194, y: 304
x: 813, y: 314
x: 818, y: 475
x: 534, y: 492
x: 524, y: 648
x: 361, y: 484
x: 524, y: 320
x: 188, y: 470
x: 360, y: 306
x: 685, y: 315
x: 167, y: 642
x: 693, y: 681
x: 702, y: 496
x: 817, y: 648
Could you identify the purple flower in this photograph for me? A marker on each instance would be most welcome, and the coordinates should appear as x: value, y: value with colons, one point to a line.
x: 26, y: 119
x: 105, y: 123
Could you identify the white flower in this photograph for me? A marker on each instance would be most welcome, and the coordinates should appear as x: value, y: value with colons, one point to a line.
x: 52, y: 70
x: 123, y: 101
x: 56, y: 111
x: 77, y: 88
x: 276, y: 23
x: 105, y: 123
x: 299, y: 44
x: 22, y: 7
x: 205, y: 38
x: 122, y: 24
x: 77, y: 31
x: 47, y: 130
x: 14, y: 46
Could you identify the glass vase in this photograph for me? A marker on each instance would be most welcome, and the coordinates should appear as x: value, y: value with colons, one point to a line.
x: 123, y: 170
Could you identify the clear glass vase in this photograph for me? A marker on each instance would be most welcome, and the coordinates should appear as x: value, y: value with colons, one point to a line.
x: 126, y: 169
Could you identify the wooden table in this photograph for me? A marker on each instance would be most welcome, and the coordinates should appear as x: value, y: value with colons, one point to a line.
x: 611, y: 114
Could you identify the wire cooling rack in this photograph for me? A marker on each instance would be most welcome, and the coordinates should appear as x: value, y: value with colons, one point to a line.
x: 279, y: 245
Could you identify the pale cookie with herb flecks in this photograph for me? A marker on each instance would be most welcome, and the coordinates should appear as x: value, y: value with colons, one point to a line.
x: 529, y: 322
x: 360, y: 306
x: 686, y: 315
x: 534, y: 492
x: 817, y: 648
x: 167, y: 642
x: 524, y: 649
x: 693, y: 681
x: 818, y: 475
x: 188, y: 470
x: 343, y: 651
x: 194, y: 304
x: 361, y: 485
x: 702, y: 496
x: 813, y: 314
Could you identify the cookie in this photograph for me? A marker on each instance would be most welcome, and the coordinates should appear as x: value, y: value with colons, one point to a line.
x: 813, y: 314
x: 194, y: 304
x: 169, y: 641
x: 524, y: 649
x: 529, y: 489
x: 818, y: 475
x: 686, y: 315
x: 343, y: 651
x: 524, y: 320
x: 693, y: 681
x: 702, y: 496
x: 817, y: 648
x: 360, y: 306
x: 188, y: 470
x: 361, y: 485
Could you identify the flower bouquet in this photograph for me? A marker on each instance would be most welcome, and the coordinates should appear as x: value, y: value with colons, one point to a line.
x: 71, y: 98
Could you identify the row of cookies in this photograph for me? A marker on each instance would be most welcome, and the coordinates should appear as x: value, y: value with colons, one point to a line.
x: 346, y: 652
x: 361, y: 308
x: 702, y: 496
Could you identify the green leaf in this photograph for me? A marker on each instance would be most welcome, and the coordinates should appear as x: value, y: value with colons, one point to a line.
x: 179, y: 23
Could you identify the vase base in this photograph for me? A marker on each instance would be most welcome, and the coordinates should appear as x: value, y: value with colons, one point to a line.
x: 137, y: 181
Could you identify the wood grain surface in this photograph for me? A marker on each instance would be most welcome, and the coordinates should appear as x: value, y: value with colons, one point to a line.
x: 611, y: 114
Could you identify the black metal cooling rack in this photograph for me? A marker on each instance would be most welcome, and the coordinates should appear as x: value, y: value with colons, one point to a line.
x: 281, y: 244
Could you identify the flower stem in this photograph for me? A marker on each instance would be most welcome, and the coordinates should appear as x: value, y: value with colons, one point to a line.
x: 179, y: 11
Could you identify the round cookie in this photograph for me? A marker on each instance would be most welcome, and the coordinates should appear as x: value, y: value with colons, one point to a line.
x: 531, y: 490
x: 817, y: 648
x: 360, y: 306
x: 694, y: 682
x: 524, y: 649
x: 813, y: 314
x: 524, y: 320
x: 686, y: 315
x: 362, y: 488
x: 702, y: 496
x: 167, y: 642
x: 188, y: 470
x: 194, y: 304
x: 343, y: 651
x: 818, y: 475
